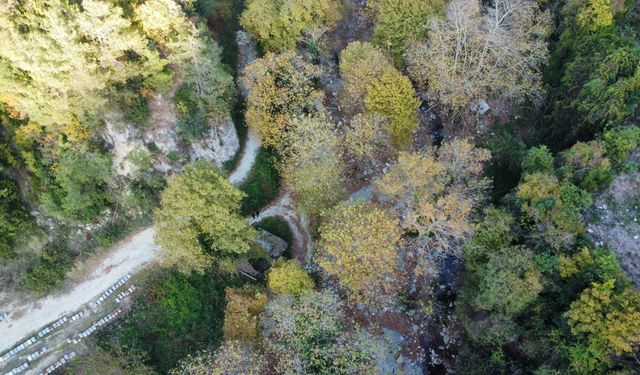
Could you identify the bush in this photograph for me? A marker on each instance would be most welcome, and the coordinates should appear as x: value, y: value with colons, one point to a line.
x: 287, y: 277
x: 50, y: 268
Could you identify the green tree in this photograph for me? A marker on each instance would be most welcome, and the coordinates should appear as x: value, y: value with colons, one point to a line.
x: 586, y: 165
x: 281, y: 87
x: 399, y: 22
x: 537, y: 159
x: 58, y: 58
x: 199, y: 220
x: 83, y: 177
x: 358, y: 246
x: 278, y: 24
x: 620, y: 142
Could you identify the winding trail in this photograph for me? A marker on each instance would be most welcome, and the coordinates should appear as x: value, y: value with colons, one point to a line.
x: 138, y: 251
x: 132, y: 255
x: 251, y: 148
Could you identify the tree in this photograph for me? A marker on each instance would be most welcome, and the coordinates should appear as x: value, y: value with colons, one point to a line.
x: 358, y: 246
x: 366, y: 142
x: 508, y: 281
x: 435, y: 194
x: 537, y: 159
x: 57, y: 58
x: 399, y: 22
x: 586, y: 165
x: 83, y: 177
x: 308, y: 335
x: 278, y: 24
x: 609, y: 319
x: 244, y: 305
x: 495, y: 53
x: 231, y: 358
x: 311, y: 167
x: 287, y: 277
x: 620, y: 142
x: 554, y: 208
x: 199, y: 220
x: 360, y: 64
x: 392, y: 96
x: 281, y: 87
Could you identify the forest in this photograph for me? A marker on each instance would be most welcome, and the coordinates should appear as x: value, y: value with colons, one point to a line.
x: 320, y: 187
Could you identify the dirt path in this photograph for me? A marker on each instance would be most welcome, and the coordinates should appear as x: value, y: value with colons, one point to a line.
x: 299, y: 224
x: 130, y: 256
x: 246, y: 161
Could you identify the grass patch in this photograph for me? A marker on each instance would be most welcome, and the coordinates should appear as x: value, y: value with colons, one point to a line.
x: 276, y: 225
x: 262, y: 184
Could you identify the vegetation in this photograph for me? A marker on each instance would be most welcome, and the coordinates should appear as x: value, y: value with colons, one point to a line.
x: 449, y: 164
x: 400, y: 22
x: 176, y: 315
x: 262, y: 184
x: 287, y: 277
x: 358, y: 246
x: 281, y: 87
x: 502, y: 68
x: 199, y: 220
x: 279, y: 24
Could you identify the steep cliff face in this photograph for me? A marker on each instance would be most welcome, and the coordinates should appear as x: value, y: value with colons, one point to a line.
x: 219, y: 146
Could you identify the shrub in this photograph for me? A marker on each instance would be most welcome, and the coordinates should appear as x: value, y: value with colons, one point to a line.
x: 50, y: 268
x: 287, y: 277
x: 586, y: 165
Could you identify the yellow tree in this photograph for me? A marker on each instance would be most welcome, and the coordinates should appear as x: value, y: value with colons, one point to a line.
x: 360, y: 64
x: 434, y: 195
x: 199, y: 220
x: 278, y: 24
x: 392, y: 95
x: 358, y: 246
x: 608, y: 317
x: 287, y: 277
x: 280, y: 87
